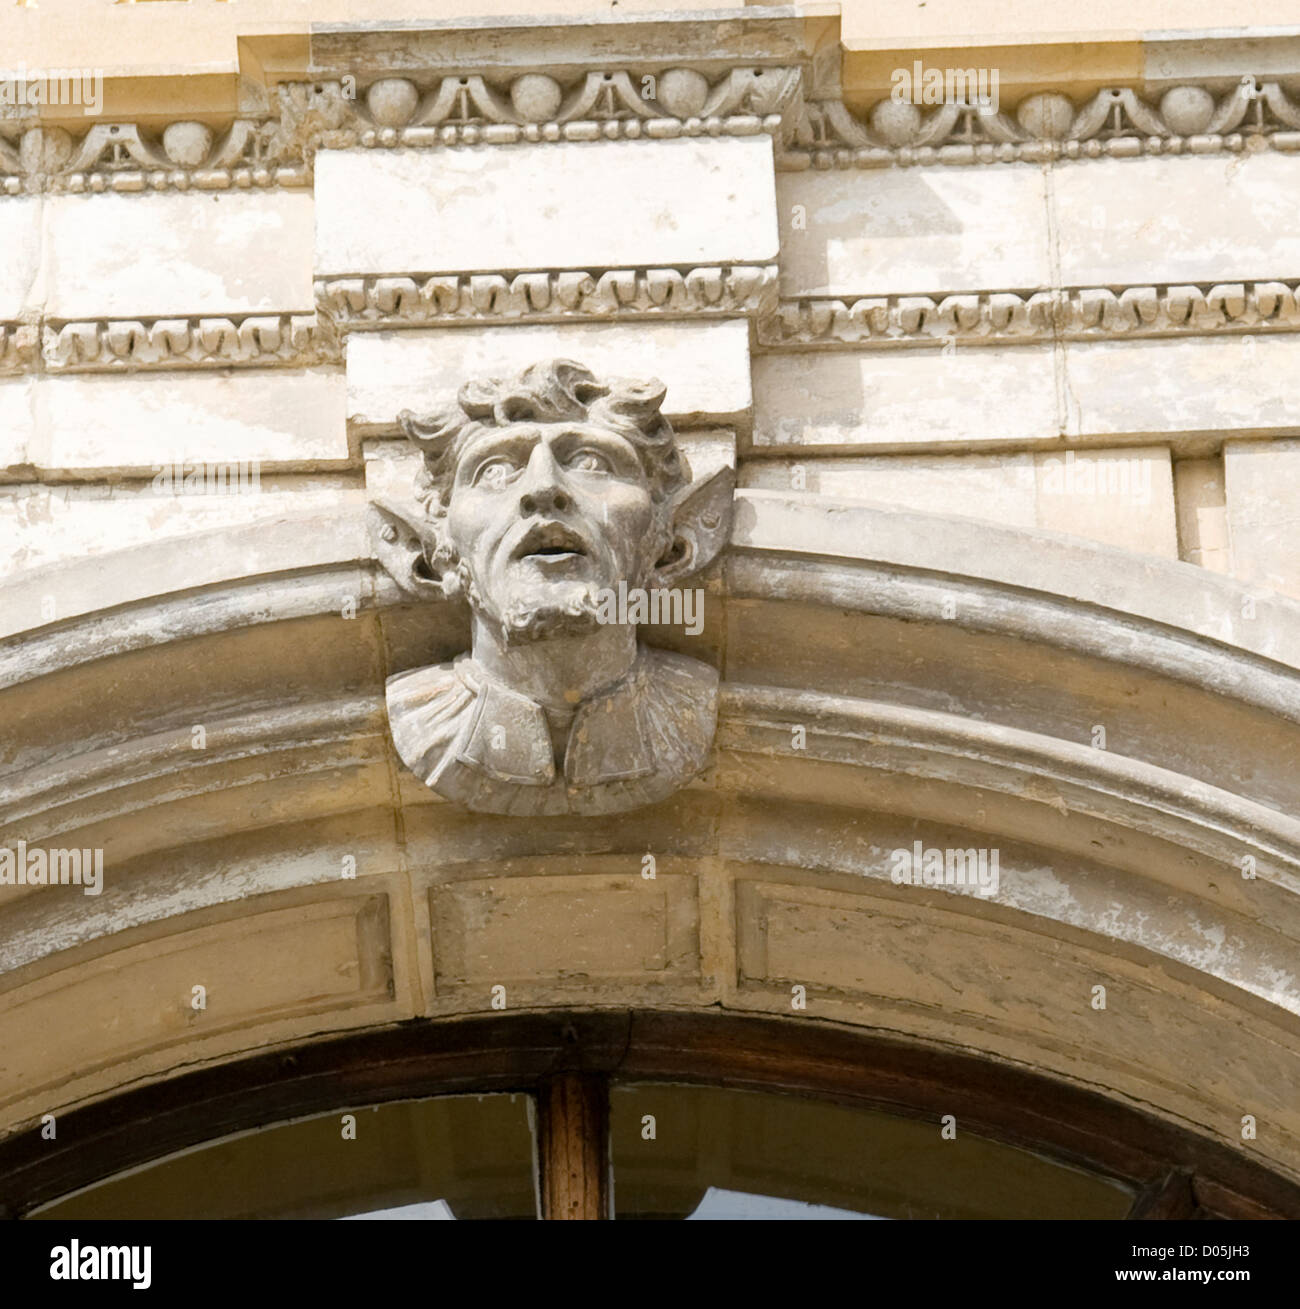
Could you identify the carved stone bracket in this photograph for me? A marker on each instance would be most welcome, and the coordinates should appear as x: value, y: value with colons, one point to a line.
x: 354, y: 303
x: 1115, y: 123
x: 905, y: 320
x: 255, y: 340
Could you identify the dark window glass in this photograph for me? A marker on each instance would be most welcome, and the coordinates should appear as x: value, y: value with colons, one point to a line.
x: 450, y: 1157
x: 706, y: 1152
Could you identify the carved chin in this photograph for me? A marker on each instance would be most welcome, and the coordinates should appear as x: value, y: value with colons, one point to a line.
x: 570, y: 611
x: 538, y: 624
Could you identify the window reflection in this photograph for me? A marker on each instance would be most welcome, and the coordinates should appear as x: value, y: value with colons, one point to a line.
x: 706, y: 1152
x: 450, y: 1157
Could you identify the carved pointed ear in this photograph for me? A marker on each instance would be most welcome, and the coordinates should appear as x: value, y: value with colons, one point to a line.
x: 701, y: 523
x: 398, y: 537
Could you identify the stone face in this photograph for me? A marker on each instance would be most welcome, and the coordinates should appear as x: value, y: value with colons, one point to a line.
x: 1194, y: 387
x: 1122, y: 497
x: 224, y: 253
x: 705, y: 367
x: 511, y: 207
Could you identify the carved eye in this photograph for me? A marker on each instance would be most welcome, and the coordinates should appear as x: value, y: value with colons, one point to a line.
x: 495, y: 473
x: 588, y: 461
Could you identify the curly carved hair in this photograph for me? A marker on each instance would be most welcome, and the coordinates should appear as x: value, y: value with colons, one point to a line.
x: 553, y: 391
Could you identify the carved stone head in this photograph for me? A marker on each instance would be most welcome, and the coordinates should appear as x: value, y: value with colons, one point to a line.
x: 539, y: 496
x: 543, y: 489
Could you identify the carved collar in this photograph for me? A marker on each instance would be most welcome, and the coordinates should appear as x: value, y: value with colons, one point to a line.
x: 488, y: 747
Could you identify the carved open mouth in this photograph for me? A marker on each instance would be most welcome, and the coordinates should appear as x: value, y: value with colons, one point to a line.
x: 551, y: 541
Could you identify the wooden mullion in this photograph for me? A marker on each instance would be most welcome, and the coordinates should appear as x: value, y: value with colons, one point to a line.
x: 573, y: 1146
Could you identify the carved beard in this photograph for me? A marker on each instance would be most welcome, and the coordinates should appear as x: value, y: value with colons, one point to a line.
x: 577, y: 615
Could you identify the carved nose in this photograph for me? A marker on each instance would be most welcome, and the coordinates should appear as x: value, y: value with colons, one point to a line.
x: 542, y: 492
x: 544, y: 499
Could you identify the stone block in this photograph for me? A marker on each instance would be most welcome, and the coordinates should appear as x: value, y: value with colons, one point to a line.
x: 20, y: 240
x: 1202, y: 387
x: 704, y: 365
x: 1202, y: 514
x: 1119, y: 497
x: 996, y: 488
x: 898, y: 399
x: 17, y: 421
x: 599, y: 204
x: 497, y: 930
x: 1262, y: 486
x: 913, y: 230
x: 135, y: 1000
x: 1199, y: 219
x: 91, y: 424
x: 221, y: 253
x: 41, y: 525
x: 1123, y: 498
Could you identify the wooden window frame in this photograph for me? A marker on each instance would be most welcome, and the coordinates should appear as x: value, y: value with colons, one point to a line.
x: 568, y: 1059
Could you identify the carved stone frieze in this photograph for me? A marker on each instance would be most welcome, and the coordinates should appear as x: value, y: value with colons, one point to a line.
x: 1044, y: 315
x: 626, y: 104
x: 256, y: 340
x: 543, y: 497
x: 396, y: 301
x: 1115, y: 123
x: 125, y: 158
x: 620, y: 104
x: 358, y: 304
x: 607, y: 104
x: 19, y: 347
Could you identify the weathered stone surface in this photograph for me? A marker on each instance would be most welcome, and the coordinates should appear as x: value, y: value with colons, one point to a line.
x: 1262, y: 485
x: 957, y: 399
x: 704, y: 366
x: 917, y: 230
x: 284, y: 417
x: 223, y: 253
x: 1138, y: 222
x: 1120, y: 497
x: 20, y: 239
x: 1190, y: 390
x: 960, y: 397
x: 570, y: 205
x: 1199, y: 499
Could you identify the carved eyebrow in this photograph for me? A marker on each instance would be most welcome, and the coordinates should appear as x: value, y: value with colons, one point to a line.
x: 610, y: 442
x: 495, y: 443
